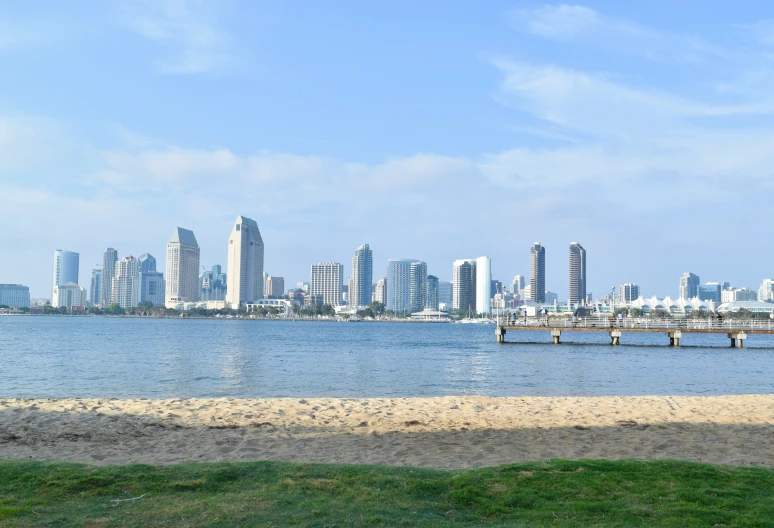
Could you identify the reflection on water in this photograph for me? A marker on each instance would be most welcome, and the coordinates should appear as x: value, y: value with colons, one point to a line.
x: 95, y: 357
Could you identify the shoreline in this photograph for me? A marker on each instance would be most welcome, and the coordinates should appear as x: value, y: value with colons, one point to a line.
x: 443, y: 432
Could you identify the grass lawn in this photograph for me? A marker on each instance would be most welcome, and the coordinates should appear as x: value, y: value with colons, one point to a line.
x: 555, y: 493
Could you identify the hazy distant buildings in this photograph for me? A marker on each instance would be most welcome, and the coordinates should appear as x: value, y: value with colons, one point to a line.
x: 326, y: 282
x: 245, y: 263
x: 406, y: 285
x: 213, y: 285
x: 629, y: 292
x: 445, y: 292
x: 766, y: 291
x: 275, y: 287
x: 577, y: 274
x: 380, y: 291
x: 152, y: 284
x: 710, y: 291
x: 109, y: 259
x: 431, y: 298
x: 689, y: 286
x: 66, y: 264
x: 738, y: 294
x: 537, y: 269
x: 95, y: 289
x: 69, y: 295
x: 125, y: 285
x: 517, y: 285
x: 14, y: 296
x: 551, y: 297
x: 182, y: 284
x: 359, y: 291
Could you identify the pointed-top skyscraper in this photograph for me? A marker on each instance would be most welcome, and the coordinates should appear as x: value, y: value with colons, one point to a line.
x: 245, y: 263
x: 182, y: 268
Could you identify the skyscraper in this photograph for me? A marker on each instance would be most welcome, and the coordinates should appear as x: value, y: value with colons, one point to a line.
x: 629, y: 292
x: 431, y: 299
x: 710, y: 291
x: 766, y: 291
x: 152, y: 285
x: 484, y: 285
x: 245, y: 263
x: 65, y: 267
x: 689, y: 286
x: 406, y: 285
x: 464, y: 285
x: 359, y: 294
x: 326, y: 281
x: 537, y: 270
x: 109, y: 259
x: 125, y: 285
x: 95, y: 289
x: 577, y: 274
x: 182, y: 277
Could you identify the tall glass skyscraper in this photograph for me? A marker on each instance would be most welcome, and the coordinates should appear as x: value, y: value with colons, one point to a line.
x: 109, y: 259
x: 95, y: 291
x: 537, y: 269
x: 431, y: 299
x: 360, y: 285
x: 577, y: 274
x: 689, y: 286
x: 406, y: 285
x: 65, y: 267
x: 152, y: 284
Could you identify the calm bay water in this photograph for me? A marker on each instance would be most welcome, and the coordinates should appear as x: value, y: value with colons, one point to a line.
x: 159, y: 358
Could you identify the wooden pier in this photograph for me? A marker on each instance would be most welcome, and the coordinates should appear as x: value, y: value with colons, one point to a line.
x: 736, y: 330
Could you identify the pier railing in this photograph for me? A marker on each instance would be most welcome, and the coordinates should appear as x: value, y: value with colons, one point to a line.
x: 633, y: 323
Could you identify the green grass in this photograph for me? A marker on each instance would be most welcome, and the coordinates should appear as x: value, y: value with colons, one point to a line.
x: 555, y: 493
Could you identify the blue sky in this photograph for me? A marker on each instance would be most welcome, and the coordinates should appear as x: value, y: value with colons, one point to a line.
x: 430, y: 130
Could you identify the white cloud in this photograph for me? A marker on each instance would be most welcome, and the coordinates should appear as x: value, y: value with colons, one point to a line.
x: 189, y: 31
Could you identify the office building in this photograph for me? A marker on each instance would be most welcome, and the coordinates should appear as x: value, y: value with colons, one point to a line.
x: 327, y: 278
x: 109, y: 259
x: 445, y: 292
x: 125, y: 285
x: 577, y: 274
x: 431, y: 298
x: 275, y: 287
x: 710, y: 291
x: 689, y: 286
x: 406, y: 285
x: 464, y: 285
x: 65, y: 267
x: 537, y: 270
x: 95, y: 289
x: 14, y: 296
x: 629, y: 292
x: 213, y: 285
x: 182, y: 277
x: 360, y: 283
x: 69, y: 295
x: 245, y: 263
x: 766, y: 291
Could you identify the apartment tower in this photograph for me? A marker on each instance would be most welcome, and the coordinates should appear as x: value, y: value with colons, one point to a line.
x: 360, y: 285
x: 109, y: 259
x: 577, y: 274
x: 326, y: 281
x: 537, y: 269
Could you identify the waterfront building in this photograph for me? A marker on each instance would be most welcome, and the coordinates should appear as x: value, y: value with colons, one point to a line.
x: 182, y: 284
x: 125, y: 285
x: 275, y: 287
x: 360, y: 283
x: 326, y: 282
x: 69, y: 295
x: 95, y: 289
x: 464, y: 285
x: 245, y: 263
x: 445, y: 292
x: 65, y: 267
x: 14, y: 296
x: 577, y: 274
x: 537, y: 269
x: 689, y: 286
x: 766, y: 291
x: 406, y: 285
x: 380, y: 291
x: 109, y: 259
x: 431, y: 298
x: 213, y: 285
x: 749, y: 306
x: 628, y: 292
x: 677, y: 307
x: 710, y: 291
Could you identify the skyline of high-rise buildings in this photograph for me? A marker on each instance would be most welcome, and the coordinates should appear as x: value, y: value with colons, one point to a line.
x: 245, y: 263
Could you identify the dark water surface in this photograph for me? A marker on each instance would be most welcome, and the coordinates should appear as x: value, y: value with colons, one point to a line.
x: 160, y: 358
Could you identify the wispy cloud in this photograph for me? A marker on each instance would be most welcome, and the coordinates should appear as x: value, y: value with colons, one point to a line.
x: 188, y: 31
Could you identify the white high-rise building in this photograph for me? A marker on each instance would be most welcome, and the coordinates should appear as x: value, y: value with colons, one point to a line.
x: 359, y: 292
x: 380, y: 291
x: 65, y: 267
x: 245, y: 263
x: 326, y: 281
x: 109, y: 259
x: 182, y: 277
x: 69, y: 295
x: 125, y: 285
x: 484, y: 285
x: 766, y: 291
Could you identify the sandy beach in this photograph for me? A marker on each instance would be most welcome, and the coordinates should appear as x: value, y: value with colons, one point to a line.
x: 447, y: 432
